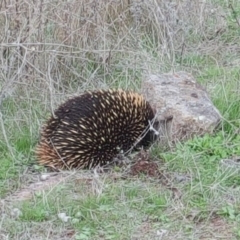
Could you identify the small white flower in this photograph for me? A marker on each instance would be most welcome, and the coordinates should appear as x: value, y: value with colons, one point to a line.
x: 16, y: 213
x: 44, y: 177
x: 63, y: 217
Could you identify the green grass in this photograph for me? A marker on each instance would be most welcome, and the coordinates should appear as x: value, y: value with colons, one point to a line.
x: 17, y: 141
x: 125, y: 205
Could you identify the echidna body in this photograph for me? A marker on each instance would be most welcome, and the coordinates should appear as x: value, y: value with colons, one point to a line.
x: 91, y: 129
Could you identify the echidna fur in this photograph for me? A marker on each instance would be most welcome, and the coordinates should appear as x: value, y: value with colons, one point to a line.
x: 91, y: 129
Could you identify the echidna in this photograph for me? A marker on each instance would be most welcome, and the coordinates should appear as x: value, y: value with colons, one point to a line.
x: 91, y: 129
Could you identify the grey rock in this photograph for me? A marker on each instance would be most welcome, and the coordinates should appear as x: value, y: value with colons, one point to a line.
x: 183, y: 107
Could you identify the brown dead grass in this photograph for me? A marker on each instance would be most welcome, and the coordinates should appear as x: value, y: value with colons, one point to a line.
x: 51, y: 45
x: 217, y: 228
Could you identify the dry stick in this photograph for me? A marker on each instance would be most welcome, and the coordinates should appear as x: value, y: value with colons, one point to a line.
x: 144, y: 133
x: 60, y: 157
x: 11, y: 81
x: 50, y: 85
x: 182, y: 52
x: 4, y: 89
x: 234, y: 14
x: 5, y: 135
x: 31, y: 44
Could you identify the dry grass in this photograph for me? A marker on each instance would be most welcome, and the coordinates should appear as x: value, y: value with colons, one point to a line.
x: 61, y: 46
x: 50, y: 50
